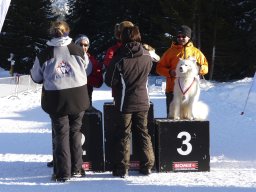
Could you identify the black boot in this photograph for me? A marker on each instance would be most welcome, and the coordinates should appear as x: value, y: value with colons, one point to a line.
x: 145, y: 171
x: 120, y: 173
x: 50, y: 164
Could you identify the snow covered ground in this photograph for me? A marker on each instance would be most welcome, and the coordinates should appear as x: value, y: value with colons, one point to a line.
x: 25, y: 140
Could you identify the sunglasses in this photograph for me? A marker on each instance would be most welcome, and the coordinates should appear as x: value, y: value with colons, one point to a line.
x: 181, y: 36
x: 84, y: 45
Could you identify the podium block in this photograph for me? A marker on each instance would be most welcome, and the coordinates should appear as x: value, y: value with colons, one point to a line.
x: 182, y: 145
x: 110, y: 129
x: 92, y: 141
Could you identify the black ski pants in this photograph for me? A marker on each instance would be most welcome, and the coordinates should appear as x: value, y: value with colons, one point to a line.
x: 169, y: 98
x: 67, y: 144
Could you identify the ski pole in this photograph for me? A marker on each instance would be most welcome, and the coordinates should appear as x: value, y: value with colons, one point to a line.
x: 248, y: 94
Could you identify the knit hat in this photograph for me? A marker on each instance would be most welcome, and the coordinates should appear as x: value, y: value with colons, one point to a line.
x: 82, y: 37
x: 184, y: 30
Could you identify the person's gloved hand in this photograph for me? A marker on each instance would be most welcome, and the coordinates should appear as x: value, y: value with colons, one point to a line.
x: 172, y: 73
x: 203, y: 69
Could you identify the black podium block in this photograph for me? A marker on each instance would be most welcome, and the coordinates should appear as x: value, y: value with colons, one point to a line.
x: 182, y: 145
x: 110, y: 129
x: 92, y: 141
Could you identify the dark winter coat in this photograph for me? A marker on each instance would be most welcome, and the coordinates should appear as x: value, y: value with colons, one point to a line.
x: 128, y: 75
x: 61, y: 69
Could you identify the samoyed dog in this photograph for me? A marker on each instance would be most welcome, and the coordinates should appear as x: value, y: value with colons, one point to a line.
x: 185, y: 103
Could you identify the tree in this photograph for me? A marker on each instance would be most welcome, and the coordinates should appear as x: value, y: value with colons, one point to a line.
x: 229, y: 33
x: 24, y: 33
x: 227, y: 40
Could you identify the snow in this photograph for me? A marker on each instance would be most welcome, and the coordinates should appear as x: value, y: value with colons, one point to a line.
x: 60, y: 8
x: 25, y: 140
x: 4, y: 73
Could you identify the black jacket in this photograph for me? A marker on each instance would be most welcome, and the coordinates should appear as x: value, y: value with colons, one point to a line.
x: 128, y: 76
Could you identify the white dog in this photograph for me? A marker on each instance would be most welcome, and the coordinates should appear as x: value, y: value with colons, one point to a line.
x: 185, y: 104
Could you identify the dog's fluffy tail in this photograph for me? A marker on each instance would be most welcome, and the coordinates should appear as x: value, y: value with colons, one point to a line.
x: 200, y: 111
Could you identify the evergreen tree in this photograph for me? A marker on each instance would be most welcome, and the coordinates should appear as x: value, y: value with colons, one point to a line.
x: 24, y: 33
x: 224, y: 27
x: 229, y: 34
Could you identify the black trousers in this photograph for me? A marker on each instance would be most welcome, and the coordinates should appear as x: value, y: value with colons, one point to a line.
x: 137, y: 121
x: 67, y: 152
x: 90, y: 90
x: 169, y: 98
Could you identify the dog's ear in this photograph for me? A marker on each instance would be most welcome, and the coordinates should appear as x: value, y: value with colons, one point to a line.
x: 192, y: 59
x: 180, y: 59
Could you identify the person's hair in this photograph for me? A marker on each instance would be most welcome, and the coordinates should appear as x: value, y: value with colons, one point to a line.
x: 119, y: 27
x: 59, y: 29
x: 131, y: 34
x: 124, y: 24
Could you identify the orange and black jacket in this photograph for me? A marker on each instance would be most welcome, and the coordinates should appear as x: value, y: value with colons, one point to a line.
x: 170, y: 59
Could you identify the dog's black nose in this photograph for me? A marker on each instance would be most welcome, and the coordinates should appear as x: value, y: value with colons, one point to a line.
x: 181, y: 69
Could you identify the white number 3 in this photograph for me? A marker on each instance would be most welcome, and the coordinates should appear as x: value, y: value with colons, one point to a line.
x: 185, y: 142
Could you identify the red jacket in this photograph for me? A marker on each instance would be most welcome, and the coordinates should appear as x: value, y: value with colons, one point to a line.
x: 95, y: 79
x: 108, y: 57
x: 110, y: 53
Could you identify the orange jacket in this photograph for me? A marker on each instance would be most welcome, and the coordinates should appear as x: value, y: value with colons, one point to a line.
x: 170, y: 59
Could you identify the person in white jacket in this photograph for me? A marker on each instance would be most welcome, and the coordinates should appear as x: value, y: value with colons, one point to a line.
x: 61, y: 68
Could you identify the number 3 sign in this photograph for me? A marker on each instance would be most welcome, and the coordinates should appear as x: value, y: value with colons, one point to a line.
x: 185, y: 142
x: 182, y: 145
